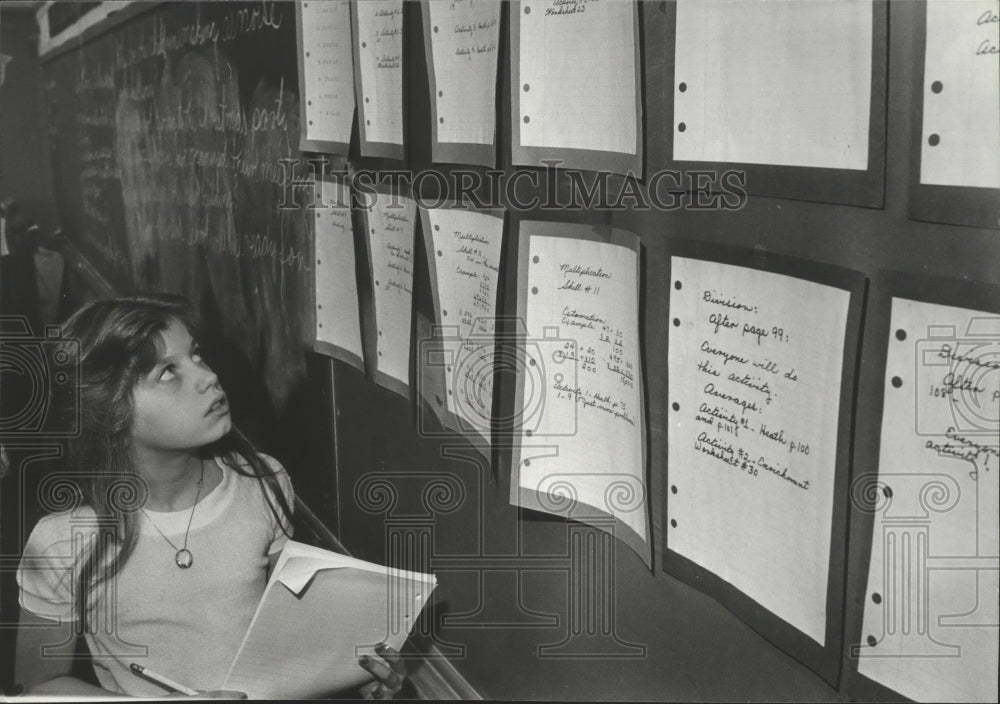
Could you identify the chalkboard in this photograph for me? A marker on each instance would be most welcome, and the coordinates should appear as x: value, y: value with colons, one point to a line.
x: 168, y: 132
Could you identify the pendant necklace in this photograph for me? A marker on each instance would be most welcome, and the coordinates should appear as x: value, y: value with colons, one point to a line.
x: 183, y: 556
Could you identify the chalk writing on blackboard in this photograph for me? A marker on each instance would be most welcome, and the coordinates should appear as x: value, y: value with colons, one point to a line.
x: 158, y: 37
x: 180, y: 137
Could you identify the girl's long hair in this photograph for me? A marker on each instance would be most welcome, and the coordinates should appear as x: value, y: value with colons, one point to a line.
x: 115, y: 343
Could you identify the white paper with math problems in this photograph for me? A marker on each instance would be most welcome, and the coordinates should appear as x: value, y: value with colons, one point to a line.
x: 579, y: 403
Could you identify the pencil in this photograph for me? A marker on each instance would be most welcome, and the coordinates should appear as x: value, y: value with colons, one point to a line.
x: 161, y: 680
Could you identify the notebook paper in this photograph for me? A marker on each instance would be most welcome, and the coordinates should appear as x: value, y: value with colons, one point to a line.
x: 785, y: 83
x: 319, y: 613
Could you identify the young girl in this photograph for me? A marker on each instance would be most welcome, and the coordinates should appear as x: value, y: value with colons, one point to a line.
x: 173, y: 522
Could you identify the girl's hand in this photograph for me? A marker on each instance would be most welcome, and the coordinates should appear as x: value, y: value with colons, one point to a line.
x: 388, y: 680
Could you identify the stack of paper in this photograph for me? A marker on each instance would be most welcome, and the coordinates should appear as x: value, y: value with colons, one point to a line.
x: 319, y: 613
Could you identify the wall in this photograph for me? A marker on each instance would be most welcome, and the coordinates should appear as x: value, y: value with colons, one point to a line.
x: 506, y: 581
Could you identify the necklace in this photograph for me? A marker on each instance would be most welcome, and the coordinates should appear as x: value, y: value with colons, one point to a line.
x: 183, y: 556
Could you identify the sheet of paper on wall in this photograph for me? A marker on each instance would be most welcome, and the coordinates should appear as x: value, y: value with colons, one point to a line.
x: 755, y: 363
x: 931, y: 611
x: 960, y: 141
x: 462, y: 40
x: 319, y: 613
x: 579, y: 408
x: 463, y: 255
x: 574, y: 93
x: 378, y: 55
x: 338, y: 323
x: 785, y: 83
x: 327, y: 74
x: 390, y: 224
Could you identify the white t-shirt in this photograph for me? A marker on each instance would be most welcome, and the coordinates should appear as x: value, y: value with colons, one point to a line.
x: 186, y: 624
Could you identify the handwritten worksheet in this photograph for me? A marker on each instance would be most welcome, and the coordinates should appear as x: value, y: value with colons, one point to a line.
x: 755, y: 362
x: 326, y: 75
x: 575, y: 92
x: 579, y: 401
x: 462, y: 39
x: 390, y: 223
x: 785, y: 83
x: 931, y: 613
x: 378, y: 62
x: 463, y: 255
x: 960, y: 141
x: 338, y: 324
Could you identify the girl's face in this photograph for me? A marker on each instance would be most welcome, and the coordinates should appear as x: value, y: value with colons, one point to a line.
x: 179, y: 404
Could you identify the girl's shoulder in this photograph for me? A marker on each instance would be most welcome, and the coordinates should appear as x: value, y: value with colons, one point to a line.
x: 53, y: 559
x: 60, y: 522
x: 54, y: 532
